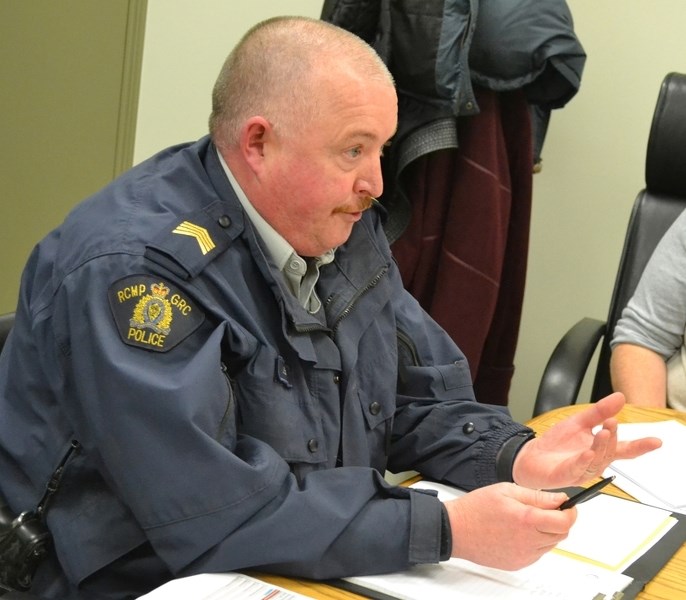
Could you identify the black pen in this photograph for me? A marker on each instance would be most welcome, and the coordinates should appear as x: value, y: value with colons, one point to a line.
x: 586, y: 494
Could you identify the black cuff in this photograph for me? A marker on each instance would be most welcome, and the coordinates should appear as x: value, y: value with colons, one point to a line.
x: 446, y: 535
x: 505, y: 458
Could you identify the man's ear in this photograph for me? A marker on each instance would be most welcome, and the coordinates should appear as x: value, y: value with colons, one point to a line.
x: 256, y: 134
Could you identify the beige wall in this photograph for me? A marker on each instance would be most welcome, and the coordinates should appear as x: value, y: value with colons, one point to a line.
x: 593, y: 168
x: 186, y: 44
x: 593, y: 157
x: 69, y: 75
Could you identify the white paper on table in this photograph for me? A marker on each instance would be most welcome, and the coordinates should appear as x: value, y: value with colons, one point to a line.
x: 654, y: 478
x: 612, y: 532
x: 637, y: 492
x: 553, y: 577
x: 220, y: 586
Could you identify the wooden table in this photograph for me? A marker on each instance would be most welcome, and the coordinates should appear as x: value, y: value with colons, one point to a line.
x: 670, y: 582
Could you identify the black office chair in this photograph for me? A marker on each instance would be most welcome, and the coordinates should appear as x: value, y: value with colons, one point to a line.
x: 655, y: 209
x: 6, y: 323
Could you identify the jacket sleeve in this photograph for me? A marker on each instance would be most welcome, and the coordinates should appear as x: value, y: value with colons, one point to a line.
x: 439, y: 429
x: 161, y: 428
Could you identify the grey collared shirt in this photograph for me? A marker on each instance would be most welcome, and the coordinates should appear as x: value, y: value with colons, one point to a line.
x: 294, y: 268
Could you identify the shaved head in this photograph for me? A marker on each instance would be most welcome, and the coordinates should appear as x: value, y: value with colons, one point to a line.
x: 282, y: 69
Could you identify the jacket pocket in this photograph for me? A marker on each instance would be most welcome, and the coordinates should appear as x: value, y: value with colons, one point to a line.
x: 275, y: 406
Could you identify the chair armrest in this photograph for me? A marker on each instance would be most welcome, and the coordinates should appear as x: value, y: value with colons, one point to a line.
x: 566, y: 368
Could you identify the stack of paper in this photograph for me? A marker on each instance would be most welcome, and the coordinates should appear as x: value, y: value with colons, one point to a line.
x: 589, y: 564
x: 618, y: 545
x: 657, y: 477
x: 551, y: 578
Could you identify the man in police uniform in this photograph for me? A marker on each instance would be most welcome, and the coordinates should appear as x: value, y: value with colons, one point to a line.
x: 225, y: 334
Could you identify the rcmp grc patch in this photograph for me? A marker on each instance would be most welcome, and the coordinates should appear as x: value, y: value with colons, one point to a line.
x: 152, y: 314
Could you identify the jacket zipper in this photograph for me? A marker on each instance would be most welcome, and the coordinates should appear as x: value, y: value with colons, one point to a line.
x: 229, y: 405
x: 405, y: 341
x: 348, y: 309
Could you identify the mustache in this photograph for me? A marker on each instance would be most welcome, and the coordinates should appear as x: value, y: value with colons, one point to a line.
x: 367, y: 203
x: 364, y: 204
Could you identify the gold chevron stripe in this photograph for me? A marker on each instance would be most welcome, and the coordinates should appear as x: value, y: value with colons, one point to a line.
x: 200, y: 234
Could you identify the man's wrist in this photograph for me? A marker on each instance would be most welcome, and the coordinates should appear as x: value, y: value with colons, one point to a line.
x: 504, y: 460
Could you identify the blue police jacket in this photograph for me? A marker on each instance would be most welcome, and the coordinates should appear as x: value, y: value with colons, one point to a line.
x: 219, y: 422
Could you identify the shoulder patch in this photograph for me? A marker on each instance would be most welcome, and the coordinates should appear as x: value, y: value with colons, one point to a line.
x: 152, y: 314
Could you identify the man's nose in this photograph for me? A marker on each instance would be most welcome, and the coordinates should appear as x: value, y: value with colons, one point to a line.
x: 370, y: 181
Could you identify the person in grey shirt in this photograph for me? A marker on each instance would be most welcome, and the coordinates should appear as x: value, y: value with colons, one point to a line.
x: 648, y: 361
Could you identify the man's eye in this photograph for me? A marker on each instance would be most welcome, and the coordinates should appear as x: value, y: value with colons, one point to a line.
x: 354, y: 152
